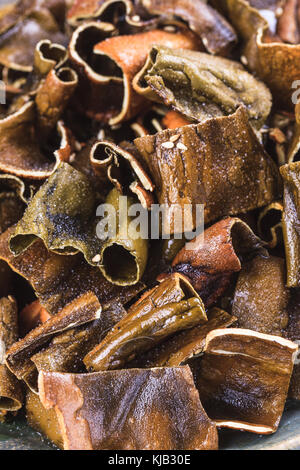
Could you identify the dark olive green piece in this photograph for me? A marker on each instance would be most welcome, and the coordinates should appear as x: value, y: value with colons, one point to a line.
x: 202, y: 86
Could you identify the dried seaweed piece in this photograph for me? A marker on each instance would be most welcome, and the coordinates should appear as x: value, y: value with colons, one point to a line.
x: 82, y: 310
x: 123, y: 56
x: 53, y: 96
x: 58, y: 280
x: 261, y: 298
x: 20, y: 152
x: 44, y: 421
x: 215, y: 32
x: 290, y: 221
x: 274, y: 62
x: 243, y: 378
x: 47, y: 56
x: 122, y: 257
x: 114, y: 164
x: 17, y: 44
x: 62, y: 214
x: 168, y: 308
x: 269, y: 224
x: 182, y: 347
x: 227, y: 174
x: 165, y: 411
x: 11, y: 395
x: 201, y: 86
x: 216, y: 254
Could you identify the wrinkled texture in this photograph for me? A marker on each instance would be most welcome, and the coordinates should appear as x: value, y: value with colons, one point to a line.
x: 164, y: 413
x: 168, y: 308
x: 243, y: 378
x: 201, y: 86
x: 261, y: 298
x: 223, y: 163
x: 211, y: 258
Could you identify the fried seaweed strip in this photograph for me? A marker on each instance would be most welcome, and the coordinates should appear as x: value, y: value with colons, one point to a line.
x: 82, y: 310
x: 201, y: 86
x: 11, y: 394
x: 290, y: 221
x: 168, y: 308
x: 215, y: 255
x: 89, y: 407
x: 184, y: 346
x: 243, y: 378
x: 227, y: 174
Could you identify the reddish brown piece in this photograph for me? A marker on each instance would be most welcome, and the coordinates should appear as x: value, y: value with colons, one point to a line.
x: 215, y: 255
x: 137, y: 409
x: 32, y: 316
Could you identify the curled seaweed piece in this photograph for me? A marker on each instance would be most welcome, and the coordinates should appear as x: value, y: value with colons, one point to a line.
x: 215, y: 32
x: 216, y: 255
x: 123, y: 56
x: 20, y: 150
x: 243, y: 378
x: 53, y: 96
x: 88, y: 406
x: 82, y: 310
x: 290, y: 221
x: 274, y: 62
x: 227, y: 174
x: 47, y: 56
x: 17, y: 44
x: 201, y: 86
x: 122, y: 257
x: 173, y: 120
x: 61, y: 213
x: 184, y: 346
x: 267, y: 313
x: 57, y: 280
x: 66, y: 351
x: 11, y: 395
x: 269, y: 224
x: 168, y: 308
x: 112, y: 163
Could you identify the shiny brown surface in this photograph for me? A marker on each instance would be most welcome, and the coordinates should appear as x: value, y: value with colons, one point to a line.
x: 90, y: 406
